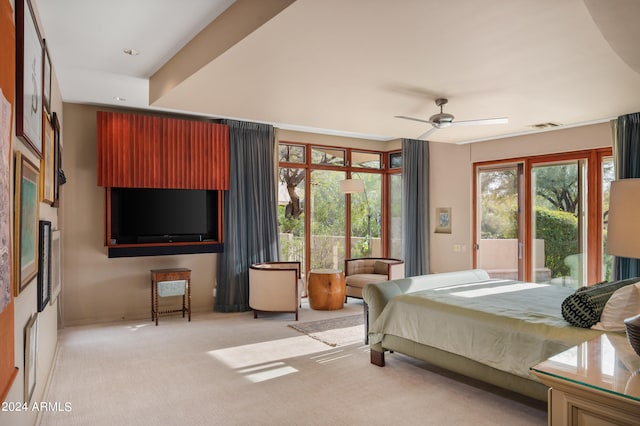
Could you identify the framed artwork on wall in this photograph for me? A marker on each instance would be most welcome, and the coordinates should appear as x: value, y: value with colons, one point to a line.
x: 56, y: 271
x: 44, y: 269
x: 58, y: 174
x: 443, y: 220
x: 46, y: 90
x: 25, y: 220
x: 47, y: 165
x: 30, y: 355
x: 29, y: 77
x: 5, y: 203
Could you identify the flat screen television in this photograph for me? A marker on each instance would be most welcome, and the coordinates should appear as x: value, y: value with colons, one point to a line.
x: 146, y: 215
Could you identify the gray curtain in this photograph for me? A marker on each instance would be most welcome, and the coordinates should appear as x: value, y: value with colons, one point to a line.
x: 250, y: 212
x: 415, y: 206
x: 626, y: 152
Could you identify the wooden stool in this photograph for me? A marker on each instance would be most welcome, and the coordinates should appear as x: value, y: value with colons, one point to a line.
x: 326, y: 289
x: 159, y: 276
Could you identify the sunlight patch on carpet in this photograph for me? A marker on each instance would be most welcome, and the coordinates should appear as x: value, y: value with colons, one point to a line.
x: 340, y: 331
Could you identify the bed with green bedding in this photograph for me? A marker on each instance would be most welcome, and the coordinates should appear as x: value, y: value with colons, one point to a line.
x: 489, y: 329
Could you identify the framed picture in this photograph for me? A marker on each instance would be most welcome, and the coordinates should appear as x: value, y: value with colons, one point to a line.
x: 25, y: 225
x: 47, y: 165
x: 28, y: 77
x: 46, y: 90
x: 30, y: 354
x: 443, y: 220
x: 44, y: 269
x: 6, y: 287
x: 57, y: 161
x: 56, y: 259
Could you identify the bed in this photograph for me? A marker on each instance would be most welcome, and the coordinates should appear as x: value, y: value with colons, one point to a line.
x: 493, y: 330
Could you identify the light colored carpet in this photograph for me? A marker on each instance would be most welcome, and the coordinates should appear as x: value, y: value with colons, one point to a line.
x: 341, y: 331
x: 232, y: 369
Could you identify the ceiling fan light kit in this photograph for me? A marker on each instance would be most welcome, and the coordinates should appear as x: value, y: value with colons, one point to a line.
x: 443, y: 120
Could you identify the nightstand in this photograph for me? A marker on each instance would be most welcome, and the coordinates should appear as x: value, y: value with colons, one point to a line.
x: 594, y: 383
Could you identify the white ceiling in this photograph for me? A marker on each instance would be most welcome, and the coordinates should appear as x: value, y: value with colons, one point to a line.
x: 349, y: 66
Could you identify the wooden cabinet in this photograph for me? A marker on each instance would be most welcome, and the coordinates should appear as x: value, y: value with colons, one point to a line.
x: 157, y: 152
x: 144, y: 151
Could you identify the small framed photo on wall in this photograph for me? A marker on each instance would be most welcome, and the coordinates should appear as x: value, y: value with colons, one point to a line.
x: 443, y: 220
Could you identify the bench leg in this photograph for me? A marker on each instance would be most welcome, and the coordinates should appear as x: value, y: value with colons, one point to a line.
x: 377, y: 358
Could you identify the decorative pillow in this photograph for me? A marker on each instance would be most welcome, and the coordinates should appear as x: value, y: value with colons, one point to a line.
x: 624, y: 303
x: 380, y: 268
x: 584, y: 307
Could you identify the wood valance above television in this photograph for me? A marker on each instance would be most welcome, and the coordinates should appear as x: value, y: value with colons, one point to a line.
x: 144, y: 151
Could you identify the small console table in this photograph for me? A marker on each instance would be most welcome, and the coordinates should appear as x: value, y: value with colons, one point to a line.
x: 168, y: 277
x: 594, y: 383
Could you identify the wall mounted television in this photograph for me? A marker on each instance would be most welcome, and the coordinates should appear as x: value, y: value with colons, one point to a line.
x: 149, y: 215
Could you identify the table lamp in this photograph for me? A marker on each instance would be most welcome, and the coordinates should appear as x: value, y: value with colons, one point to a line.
x: 623, y: 236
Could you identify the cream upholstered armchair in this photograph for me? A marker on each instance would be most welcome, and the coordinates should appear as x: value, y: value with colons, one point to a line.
x: 275, y: 287
x: 362, y: 271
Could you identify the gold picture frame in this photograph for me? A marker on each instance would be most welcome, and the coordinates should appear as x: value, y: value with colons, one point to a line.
x: 443, y: 220
x: 47, y: 163
x: 30, y: 356
x: 26, y: 218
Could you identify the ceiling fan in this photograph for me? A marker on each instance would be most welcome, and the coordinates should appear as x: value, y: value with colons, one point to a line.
x: 443, y: 120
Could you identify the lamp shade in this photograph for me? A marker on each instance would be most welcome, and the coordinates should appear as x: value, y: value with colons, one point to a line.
x: 351, y: 186
x: 623, y: 231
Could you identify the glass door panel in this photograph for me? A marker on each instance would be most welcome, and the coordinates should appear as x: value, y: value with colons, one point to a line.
x: 366, y: 208
x: 395, y: 216
x: 327, y: 214
x: 499, y: 244
x: 559, y: 223
x: 608, y: 176
x: 291, y: 199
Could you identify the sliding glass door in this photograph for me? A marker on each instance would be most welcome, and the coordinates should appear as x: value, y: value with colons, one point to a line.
x: 559, y: 223
x: 498, y: 240
x: 544, y: 219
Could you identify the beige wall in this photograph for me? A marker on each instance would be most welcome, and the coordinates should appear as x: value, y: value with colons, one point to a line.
x: 97, y: 288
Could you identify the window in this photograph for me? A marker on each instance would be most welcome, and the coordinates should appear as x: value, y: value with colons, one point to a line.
x: 319, y: 225
x: 328, y: 156
x: 370, y: 160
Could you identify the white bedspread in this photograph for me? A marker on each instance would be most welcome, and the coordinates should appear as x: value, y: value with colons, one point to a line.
x: 508, y: 325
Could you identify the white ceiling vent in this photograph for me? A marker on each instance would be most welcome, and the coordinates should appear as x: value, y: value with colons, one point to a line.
x: 545, y: 125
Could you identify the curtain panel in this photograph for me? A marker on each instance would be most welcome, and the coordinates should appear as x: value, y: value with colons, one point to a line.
x: 250, y: 212
x: 415, y: 206
x: 626, y: 152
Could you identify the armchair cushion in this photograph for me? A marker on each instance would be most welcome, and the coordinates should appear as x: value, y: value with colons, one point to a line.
x: 380, y: 267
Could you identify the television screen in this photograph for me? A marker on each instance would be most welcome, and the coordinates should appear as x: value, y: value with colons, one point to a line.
x: 144, y: 215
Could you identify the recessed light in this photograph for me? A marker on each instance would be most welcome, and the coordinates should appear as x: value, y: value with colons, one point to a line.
x: 119, y: 98
x: 131, y: 52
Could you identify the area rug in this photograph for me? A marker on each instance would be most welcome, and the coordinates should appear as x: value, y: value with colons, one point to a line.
x: 340, y: 331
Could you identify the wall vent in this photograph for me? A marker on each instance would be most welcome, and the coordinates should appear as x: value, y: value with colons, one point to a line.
x: 544, y: 125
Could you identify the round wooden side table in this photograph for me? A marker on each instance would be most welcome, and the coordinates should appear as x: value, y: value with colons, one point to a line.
x: 327, y: 289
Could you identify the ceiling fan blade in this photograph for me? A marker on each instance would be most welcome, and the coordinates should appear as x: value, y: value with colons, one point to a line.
x: 404, y: 117
x: 427, y: 133
x: 502, y: 120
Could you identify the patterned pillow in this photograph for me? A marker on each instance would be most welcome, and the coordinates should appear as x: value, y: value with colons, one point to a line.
x: 584, y: 307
